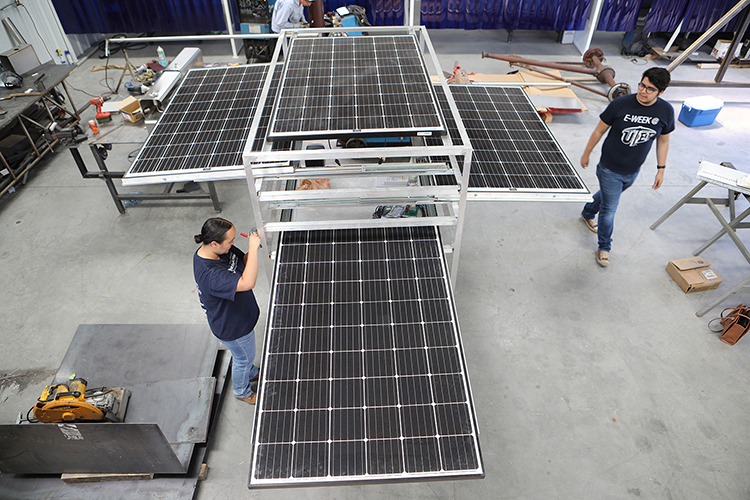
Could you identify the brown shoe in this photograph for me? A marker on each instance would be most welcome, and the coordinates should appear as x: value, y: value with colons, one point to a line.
x: 602, y: 257
x: 590, y: 223
x: 250, y: 399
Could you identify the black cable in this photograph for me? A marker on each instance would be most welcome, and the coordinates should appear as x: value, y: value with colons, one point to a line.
x: 28, y: 418
x: 114, y: 47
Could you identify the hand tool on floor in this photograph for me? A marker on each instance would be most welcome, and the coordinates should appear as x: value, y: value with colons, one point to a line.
x: 101, y: 116
x: 72, y: 402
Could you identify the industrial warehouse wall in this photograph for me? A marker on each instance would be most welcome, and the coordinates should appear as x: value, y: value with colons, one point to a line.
x: 39, y: 25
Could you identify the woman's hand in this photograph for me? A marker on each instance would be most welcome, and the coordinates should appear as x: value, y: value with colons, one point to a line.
x: 253, y: 242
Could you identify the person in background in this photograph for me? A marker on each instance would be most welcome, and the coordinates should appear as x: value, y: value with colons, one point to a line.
x: 634, y: 121
x: 289, y: 14
x: 225, y: 277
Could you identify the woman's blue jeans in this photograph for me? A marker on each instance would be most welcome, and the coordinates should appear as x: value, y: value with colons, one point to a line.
x: 243, y: 370
x: 611, y: 186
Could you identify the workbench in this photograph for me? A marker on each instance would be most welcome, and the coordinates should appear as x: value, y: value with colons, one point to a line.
x: 22, y: 142
x: 727, y: 227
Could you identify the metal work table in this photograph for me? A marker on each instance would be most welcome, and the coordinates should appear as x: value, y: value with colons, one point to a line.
x: 728, y: 227
x: 22, y: 111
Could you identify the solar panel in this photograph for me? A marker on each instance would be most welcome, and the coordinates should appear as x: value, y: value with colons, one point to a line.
x: 206, y: 124
x: 513, y: 150
x: 363, y: 86
x: 363, y: 375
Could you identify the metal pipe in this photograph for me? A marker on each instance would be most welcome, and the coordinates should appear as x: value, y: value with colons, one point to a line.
x: 708, y: 34
x: 738, y: 36
x: 593, y: 60
x: 543, y: 64
x: 14, y: 31
x: 316, y: 15
x: 550, y: 75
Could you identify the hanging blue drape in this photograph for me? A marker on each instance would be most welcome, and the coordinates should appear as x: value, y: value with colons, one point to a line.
x: 699, y: 15
x: 557, y: 15
x: 140, y: 16
x: 619, y: 15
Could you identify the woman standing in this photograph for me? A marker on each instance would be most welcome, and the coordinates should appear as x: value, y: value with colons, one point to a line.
x: 225, y: 277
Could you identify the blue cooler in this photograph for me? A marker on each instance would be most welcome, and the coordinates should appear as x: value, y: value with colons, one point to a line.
x: 697, y: 111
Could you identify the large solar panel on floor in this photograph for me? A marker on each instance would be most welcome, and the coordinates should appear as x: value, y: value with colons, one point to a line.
x: 363, y: 376
x: 203, y: 130
x: 365, y: 85
x: 514, y: 150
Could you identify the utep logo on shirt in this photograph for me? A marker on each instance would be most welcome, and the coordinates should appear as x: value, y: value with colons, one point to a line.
x: 634, y: 136
x: 232, y: 263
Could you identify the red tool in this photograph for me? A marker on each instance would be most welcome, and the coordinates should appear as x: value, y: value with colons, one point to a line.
x: 101, y: 116
x: 254, y: 231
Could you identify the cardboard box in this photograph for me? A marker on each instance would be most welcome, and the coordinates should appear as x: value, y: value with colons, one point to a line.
x: 693, y: 274
x: 130, y: 109
x: 697, y: 111
x: 719, y: 51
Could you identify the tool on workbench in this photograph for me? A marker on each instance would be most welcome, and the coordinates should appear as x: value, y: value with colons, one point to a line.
x: 72, y: 402
x: 11, y: 79
x: 101, y: 116
x: 20, y: 94
x: 39, y: 82
x: 138, y: 89
x: 72, y: 134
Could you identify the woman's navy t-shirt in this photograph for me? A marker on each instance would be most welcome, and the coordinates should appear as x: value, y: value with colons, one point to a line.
x: 231, y: 314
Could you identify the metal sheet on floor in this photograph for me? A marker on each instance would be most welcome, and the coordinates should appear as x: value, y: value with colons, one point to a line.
x: 135, y: 354
x: 180, y: 407
x: 94, y: 447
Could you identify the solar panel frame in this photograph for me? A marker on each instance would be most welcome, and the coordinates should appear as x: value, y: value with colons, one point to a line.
x: 348, y: 378
x: 355, y: 87
x: 514, y: 152
x: 202, y: 133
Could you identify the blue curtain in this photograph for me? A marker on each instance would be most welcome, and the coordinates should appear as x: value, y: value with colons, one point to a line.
x: 699, y: 15
x: 619, y: 15
x: 140, y: 16
x: 505, y: 14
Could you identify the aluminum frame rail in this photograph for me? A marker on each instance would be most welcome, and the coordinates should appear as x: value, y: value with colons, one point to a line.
x: 454, y: 205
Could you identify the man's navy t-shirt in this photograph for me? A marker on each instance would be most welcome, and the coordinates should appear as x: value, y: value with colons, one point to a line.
x: 231, y: 314
x: 633, y: 129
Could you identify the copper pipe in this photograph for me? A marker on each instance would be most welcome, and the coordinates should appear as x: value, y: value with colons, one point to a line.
x: 543, y: 64
x: 593, y: 60
x: 550, y: 75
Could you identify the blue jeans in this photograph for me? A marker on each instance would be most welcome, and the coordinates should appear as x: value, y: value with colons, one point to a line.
x: 243, y: 355
x: 611, y: 186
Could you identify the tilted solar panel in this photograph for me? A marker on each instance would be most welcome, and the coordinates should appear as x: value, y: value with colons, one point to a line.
x: 363, y: 375
x: 513, y: 150
x: 206, y: 124
x: 355, y: 86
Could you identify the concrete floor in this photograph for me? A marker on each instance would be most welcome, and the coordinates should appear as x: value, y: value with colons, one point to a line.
x: 588, y: 382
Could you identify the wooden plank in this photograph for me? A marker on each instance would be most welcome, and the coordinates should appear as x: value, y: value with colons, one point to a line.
x: 743, y: 64
x: 99, y: 478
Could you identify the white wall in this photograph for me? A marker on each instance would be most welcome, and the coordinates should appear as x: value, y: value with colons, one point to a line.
x: 47, y: 25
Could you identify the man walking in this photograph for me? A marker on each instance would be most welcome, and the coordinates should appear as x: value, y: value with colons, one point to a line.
x: 633, y: 122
